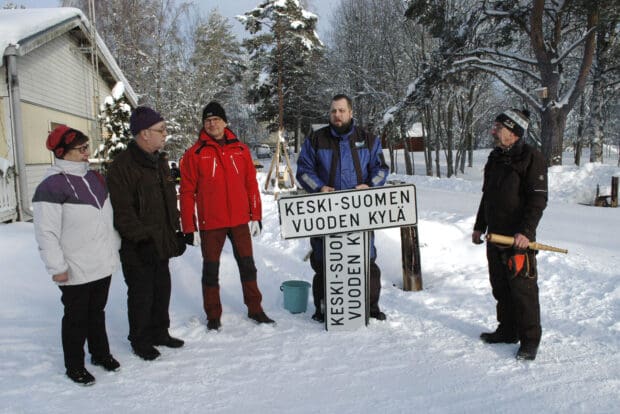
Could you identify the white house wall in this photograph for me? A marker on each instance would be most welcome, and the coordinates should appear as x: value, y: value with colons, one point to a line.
x: 57, y: 75
x: 56, y: 86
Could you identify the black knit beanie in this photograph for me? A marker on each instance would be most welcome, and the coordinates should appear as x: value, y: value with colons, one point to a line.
x: 515, y: 120
x: 214, y: 109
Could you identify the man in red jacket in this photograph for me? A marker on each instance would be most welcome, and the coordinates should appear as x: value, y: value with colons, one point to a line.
x: 218, y: 180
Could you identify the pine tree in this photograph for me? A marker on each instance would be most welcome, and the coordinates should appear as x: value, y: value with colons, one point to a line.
x: 284, y: 61
x: 114, y: 118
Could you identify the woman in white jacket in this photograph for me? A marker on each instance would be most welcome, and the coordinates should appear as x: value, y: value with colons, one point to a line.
x: 79, y: 246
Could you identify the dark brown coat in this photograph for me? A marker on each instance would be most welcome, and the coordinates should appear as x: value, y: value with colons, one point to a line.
x: 143, y: 196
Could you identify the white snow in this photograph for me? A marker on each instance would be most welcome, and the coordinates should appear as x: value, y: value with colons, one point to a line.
x: 19, y: 24
x: 118, y: 90
x: 425, y: 358
x: 297, y: 24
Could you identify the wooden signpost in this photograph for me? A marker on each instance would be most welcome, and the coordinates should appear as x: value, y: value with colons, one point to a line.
x: 345, y: 219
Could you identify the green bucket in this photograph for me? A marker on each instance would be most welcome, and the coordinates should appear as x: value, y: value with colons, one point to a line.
x: 295, y: 295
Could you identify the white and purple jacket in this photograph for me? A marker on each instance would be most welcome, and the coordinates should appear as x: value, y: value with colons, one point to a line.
x: 73, y: 223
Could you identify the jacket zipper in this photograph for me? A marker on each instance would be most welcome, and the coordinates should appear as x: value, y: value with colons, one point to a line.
x: 233, y: 163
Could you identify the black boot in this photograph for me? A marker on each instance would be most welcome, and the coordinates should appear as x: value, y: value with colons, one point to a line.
x: 500, y: 336
x: 108, y: 363
x: 148, y: 353
x: 169, y: 341
x: 527, y: 351
x: 318, y: 316
x: 260, y: 317
x: 80, y: 376
x: 378, y: 315
x: 214, y: 325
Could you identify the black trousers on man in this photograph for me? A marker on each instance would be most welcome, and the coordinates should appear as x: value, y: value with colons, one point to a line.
x: 318, y: 283
x: 84, y: 320
x: 518, y: 308
x: 148, y: 299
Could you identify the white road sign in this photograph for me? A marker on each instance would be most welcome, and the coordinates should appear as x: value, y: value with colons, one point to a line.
x: 347, y: 211
x: 346, y: 267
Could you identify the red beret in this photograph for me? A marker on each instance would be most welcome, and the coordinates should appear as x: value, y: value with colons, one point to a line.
x: 61, y: 137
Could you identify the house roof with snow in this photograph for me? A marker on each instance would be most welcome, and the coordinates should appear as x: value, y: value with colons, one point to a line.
x: 23, y: 30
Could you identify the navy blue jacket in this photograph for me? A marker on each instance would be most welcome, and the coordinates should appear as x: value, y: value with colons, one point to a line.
x: 314, y: 165
x: 315, y: 160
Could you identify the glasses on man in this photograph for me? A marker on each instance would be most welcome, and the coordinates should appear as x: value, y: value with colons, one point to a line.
x: 213, y: 120
x: 162, y: 131
x: 83, y: 149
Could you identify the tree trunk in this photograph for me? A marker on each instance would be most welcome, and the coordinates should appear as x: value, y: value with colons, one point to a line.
x: 427, y: 124
x: 595, y: 124
x: 553, y: 121
x: 297, y: 136
x: 407, y: 154
x: 392, y: 158
x: 556, y: 108
x: 438, y: 144
x: 449, y: 116
x: 578, y: 145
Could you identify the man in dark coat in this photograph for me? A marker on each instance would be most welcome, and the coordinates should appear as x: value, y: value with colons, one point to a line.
x: 514, y: 197
x: 341, y: 156
x: 145, y: 214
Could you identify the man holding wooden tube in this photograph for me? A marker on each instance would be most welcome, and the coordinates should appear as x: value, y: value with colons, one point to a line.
x: 514, y: 195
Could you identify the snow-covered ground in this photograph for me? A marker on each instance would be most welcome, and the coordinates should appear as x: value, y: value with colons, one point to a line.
x: 425, y: 358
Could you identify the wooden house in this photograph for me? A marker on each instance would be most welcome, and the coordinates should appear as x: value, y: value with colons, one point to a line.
x: 54, y: 70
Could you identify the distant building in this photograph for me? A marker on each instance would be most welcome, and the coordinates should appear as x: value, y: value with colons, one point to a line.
x: 415, y: 139
x: 49, y: 75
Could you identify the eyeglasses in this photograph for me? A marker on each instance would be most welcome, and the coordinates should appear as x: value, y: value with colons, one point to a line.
x: 83, y: 149
x: 213, y: 120
x: 162, y: 131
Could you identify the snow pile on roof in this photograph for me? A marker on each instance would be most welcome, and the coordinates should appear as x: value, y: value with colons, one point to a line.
x: 19, y: 24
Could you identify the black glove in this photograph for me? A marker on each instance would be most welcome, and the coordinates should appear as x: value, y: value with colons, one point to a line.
x: 189, y: 238
x: 180, y: 244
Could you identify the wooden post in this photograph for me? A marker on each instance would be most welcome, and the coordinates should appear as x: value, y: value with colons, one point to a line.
x: 410, y: 250
x: 614, y: 191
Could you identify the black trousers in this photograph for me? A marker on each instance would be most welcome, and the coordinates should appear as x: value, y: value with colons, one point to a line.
x: 84, y: 320
x: 148, y: 299
x: 318, y: 283
x: 518, y: 308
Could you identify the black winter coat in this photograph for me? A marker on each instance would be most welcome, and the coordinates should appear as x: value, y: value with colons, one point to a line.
x: 514, y: 193
x: 144, y: 200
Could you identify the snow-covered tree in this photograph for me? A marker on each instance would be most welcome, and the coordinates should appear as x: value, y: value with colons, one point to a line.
x: 114, y: 120
x: 284, y: 53
x: 144, y: 37
x: 541, y: 50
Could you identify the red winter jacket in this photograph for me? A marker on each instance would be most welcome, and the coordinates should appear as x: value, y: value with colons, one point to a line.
x: 220, y: 180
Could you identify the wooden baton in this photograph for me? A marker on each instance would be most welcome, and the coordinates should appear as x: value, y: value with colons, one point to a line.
x: 509, y: 241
